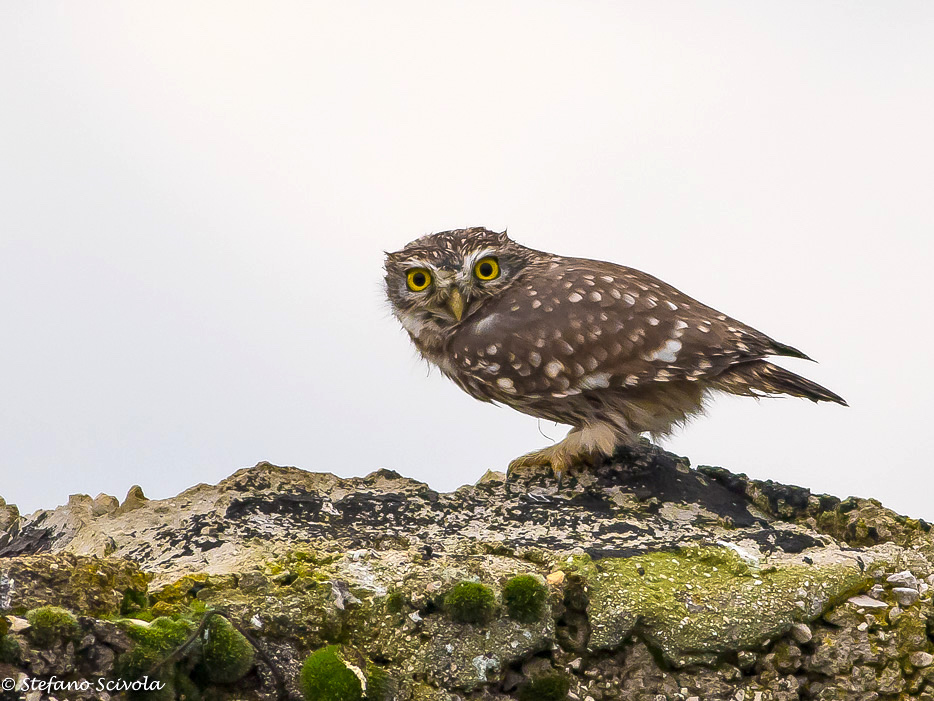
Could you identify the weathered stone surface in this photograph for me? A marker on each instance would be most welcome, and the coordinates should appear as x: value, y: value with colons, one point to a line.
x: 76, y: 582
x: 663, y: 582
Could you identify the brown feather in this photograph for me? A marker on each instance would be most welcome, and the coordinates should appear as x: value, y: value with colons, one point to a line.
x: 761, y: 378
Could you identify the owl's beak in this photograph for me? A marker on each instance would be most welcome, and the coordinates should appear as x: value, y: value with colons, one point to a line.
x: 456, y: 303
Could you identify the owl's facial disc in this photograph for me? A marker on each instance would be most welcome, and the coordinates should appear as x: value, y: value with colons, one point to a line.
x: 435, y: 290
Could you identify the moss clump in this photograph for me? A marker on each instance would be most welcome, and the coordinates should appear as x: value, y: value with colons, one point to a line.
x: 9, y: 649
x: 185, y: 689
x: 325, y: 676
x: 49, y: 624
x: 551, y: 687
x: 470, y: 602
x: 226, y: 655
x: 154, y: 643
x: 524, y: 597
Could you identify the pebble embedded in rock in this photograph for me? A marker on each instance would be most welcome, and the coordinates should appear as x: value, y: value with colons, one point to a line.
x: 904, y: 579
x: 746, y: 659
x: 801, y: 632
x: 867, y: 602
x: 905, y: 596
x: 17, y: 624
x: 894, y: 614
x: 921, y: 659
x: 555, y: 578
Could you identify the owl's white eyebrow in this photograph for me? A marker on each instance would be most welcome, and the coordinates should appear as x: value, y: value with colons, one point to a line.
x: 416, y: 263
x: 478, y: 255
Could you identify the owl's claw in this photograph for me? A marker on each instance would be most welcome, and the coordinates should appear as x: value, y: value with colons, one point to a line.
x: 539, y: 458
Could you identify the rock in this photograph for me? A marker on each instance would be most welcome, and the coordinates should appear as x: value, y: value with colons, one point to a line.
x: 664, y: 582
x: 17, y: 624
x: 801, y: 633
x: 921, y: 659
x: 108, y: 633
x: 9, y: 516
x: 905, y: 596
x: 903, y: 579
x: 555, y: 579
x: 864, y: 601
x: 746, y: 659
x: 104, y: 504
x: 75, y: 582
x: 135, y: 499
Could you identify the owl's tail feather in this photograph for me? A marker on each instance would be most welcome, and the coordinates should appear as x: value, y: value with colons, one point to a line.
x: 788, y: 351
x: 760, y: 378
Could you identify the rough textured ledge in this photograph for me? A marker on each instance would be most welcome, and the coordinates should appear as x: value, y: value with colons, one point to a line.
x: 662, y: 582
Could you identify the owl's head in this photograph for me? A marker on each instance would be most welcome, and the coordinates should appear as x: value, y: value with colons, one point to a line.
x: 440, y: 279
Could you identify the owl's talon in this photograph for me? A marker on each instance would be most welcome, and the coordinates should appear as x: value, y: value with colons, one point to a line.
x: 559, y: 476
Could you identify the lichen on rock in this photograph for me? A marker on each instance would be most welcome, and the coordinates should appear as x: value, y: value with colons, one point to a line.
x: 695, y: 603
x: 640, y: 579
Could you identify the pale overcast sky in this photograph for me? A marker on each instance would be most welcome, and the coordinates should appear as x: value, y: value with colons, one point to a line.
x: 195, y: 198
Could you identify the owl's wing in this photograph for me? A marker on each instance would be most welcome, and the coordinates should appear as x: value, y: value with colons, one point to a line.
x: 580, y: 325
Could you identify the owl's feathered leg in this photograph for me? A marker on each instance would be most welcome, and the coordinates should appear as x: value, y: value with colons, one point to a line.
x: 582, y: 446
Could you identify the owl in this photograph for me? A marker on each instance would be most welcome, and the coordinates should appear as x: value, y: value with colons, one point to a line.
x: 608, y: 350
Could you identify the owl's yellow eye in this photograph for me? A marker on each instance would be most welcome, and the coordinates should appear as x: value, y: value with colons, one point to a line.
x: 486, y: 269
x: 418, y: 279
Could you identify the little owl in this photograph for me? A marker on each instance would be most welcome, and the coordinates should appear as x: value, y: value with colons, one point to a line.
x: 609, y: 350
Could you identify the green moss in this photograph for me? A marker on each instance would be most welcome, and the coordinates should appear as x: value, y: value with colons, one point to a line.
x: 379, y: 685
x: 470, y: 602
x: 551, y: 687
x: 226, y: 655
x: 49, y: 624
x: 696, y: 603
x: 154, y: 643
x: 9, y: 649
x: 395, y: 601
x: 524, y: 597
x: 301, y: 564
x: 133, y: 601
x: 325, y: 676
x: 185, y: 689
x: 181, y: 590
x: 164, y: 608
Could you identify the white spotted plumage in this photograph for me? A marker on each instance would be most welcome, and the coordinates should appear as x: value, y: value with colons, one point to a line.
x: 609, y: 350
